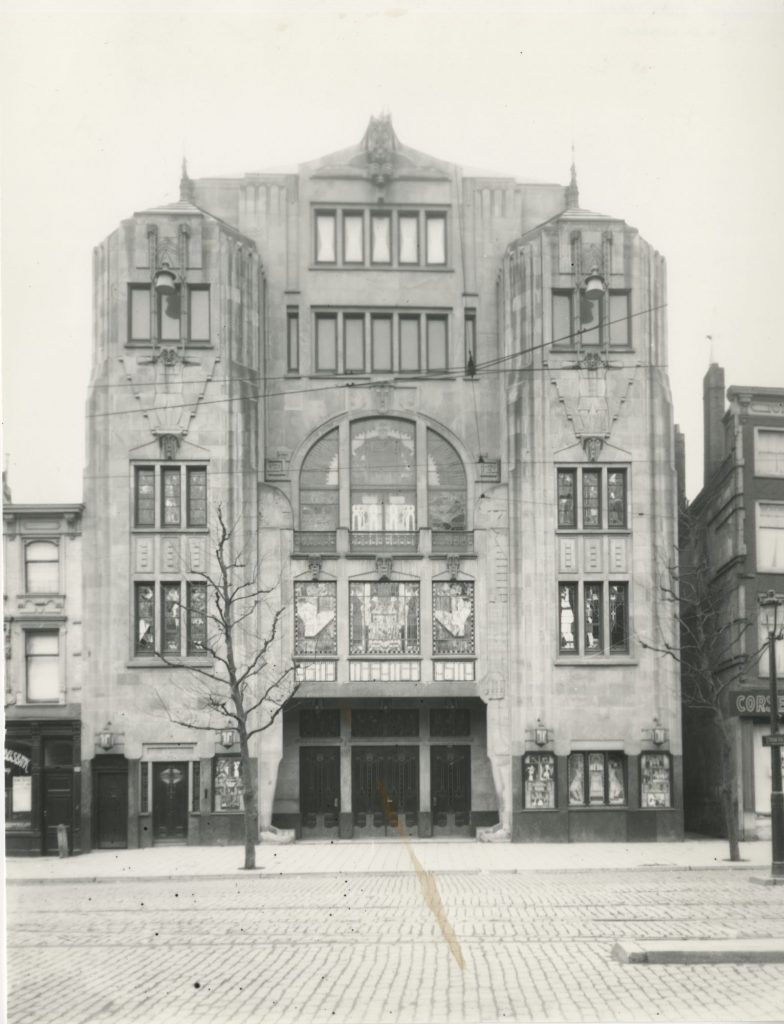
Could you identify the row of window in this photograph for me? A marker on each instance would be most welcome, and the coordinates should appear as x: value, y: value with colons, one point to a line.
x: 592, y: 499
x: 355, y: 342
x: 383, y: 722
x: 403, y: 238
x: 605, y: 321
x: 596, y: 779
x: 593, y: 618
x: 170, y: 496
x: 182, y: 314
x: 170, y: 618
x: 384, y: 618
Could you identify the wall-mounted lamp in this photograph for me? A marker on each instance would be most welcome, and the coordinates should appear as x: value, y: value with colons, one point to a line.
x: 659, y: 733
x: 106, y: 737
x: 595, y: 285
x: 228, y: 737
x: 540, y: 733
x: 165, y: 281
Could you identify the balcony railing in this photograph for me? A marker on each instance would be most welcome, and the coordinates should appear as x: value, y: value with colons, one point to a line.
x: 315, y: 542
x: 384, y: 540
x: 460, y: 542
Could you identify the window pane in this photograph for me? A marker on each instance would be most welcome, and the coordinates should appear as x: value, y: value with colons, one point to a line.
x: 616, y: 783
x: 42, y: 568
x: 43, y: 642
x: 227, y: 786
x: 384, y: 618
x: 616, y: 497
x: 619, y: 618
x: 593, y: 618
x: 197, y: 617
x: 354, y: 340
x: 197, y: 496
x: 539, y: 778
x: 596, y: 778
x: 408, y: 227
x: 43, y: 665
x: 436, y: 343
x: 315, y: 618
x: 383, y: 453
x: 352, y: 238
x: 770, y: 556
x: 381, y: 327
x: 567, y: 507
x: 470, y: 339
x: 576, y: 778
x: 655, y: 780
x: 145, y: 618
x: 200, y: 314
x: 592, y: 505
x: 567, y: 618
x: 325, y: 237
x: 409, y: 343
x: 293, y: 343
x: 453, y: 617
x: 590, y: 320
x: 319, y: 485
x: 169, y: 315
x: 140, y: 314
x: 620, y: 321
x: 145, y: 497
x: 769, y: 453
x: 436, y: 238
x: 446, y: 483
x: 171, y: 618
x: 562, y: 318
x: 381, y: 250
x: 326, y: 343
x: 170, y: 483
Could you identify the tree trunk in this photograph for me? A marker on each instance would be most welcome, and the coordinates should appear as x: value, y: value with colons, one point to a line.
x: 729, y: 785
x: 250, y: 801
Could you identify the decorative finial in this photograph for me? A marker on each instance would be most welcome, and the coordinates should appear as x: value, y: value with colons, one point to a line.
x: 186, y: 184
x: 572, y: 192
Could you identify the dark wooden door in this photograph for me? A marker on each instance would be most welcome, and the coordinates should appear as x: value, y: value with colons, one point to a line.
x: 57, y: 806
x: 450, y: 789
x: 319, y: 790
x: 385, y: 790
x: 170, y: 802
x: 111, y: 810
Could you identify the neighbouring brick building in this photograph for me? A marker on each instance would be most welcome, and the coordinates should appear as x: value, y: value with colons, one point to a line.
x: 436, y: 405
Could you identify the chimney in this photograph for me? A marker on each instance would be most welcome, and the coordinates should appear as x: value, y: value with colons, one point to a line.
x: 713, y: 413
x: 680, y: 465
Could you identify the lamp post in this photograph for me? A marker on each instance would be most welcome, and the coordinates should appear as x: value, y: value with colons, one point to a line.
x: 769, y: 605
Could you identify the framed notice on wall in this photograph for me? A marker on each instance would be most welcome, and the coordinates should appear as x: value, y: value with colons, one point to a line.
x: 22, y: 794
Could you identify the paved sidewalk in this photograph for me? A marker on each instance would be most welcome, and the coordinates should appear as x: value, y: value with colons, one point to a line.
x: 388, y: 856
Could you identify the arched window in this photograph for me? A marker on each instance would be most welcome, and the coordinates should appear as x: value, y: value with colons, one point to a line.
x: 319, y: 493
x: 42, y: 567
x: 383, y: 475
x: 446, y: 485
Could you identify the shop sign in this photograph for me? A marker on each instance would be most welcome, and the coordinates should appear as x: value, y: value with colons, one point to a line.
x: 14, y: 757
x: 755, y: 702
x: 777, y: 740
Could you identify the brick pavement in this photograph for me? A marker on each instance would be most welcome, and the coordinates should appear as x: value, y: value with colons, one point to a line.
x: 367, y: 947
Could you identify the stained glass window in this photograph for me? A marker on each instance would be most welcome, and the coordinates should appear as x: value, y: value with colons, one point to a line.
x: 196, y: 482
x: 383, y: 475
x: 446, y: 484
x: 616, y: 497
x: 145, y: 618
x: 539, y: 780
x: 567, y: 506
x: 576, y: 778
x: 171, y: 618
x: 319, y: 485
x: 197, y: 617
x: 592, y: 498
x: 593, y: 618
x: 145, y: 496
x: 170, y: 486
x: 619, y: 618
x: 384, y: 618
x: 567, y: 619
x: 315, y: 611
x: 597, y: 779
x: 453, y: 617
x: 450, y: 721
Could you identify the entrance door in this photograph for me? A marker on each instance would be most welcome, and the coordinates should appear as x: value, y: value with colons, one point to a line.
x: 385, y: 790
x: 319, y: 790
x: 450, y: 788
x: 111, y: 810
x: 170, y: 802
x: 56, y: 791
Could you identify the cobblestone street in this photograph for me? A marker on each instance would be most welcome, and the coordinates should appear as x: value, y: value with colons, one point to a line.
x: 449, y: 946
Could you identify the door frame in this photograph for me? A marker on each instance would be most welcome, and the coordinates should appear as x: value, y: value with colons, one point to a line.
x: 108, y: 764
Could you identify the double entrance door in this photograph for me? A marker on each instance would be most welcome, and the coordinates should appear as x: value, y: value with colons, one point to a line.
x: 385, y: 790
x: 450, y: 789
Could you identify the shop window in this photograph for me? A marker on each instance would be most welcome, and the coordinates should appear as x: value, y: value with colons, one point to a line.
x: 539, y: 781
x: 435, y: 239
x: 183, y: 496
x: 325, y: 238
x: 319, y: 723
x: 599, y: 628
x: 380, y: 238
x: 199, y: 313
x: 450, y: 721
x: 655, y: 780
x: 592, y: 498
x: 42, y: 567
x: 227, y: 784
x: 315, y: 618
x: 353, y: 240
x: 383, y: 475
x: 453, y: 617
x: 384, y: 618
x: 384, y: 722
x: 446, y: 485
x: 42, y: 655
x: 139, y: 313
x: 292, y: 357
x: 770, y: 537
x: 437, y: 360
x: 319, y: 495
x: 597, y: 780
x: 326, y: 343
x: 18, y: 784
x: 408, y: 238
x: 769, y: 452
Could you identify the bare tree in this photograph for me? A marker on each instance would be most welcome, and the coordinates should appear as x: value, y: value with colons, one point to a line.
x: 711, y: 652
x: 242, y: 689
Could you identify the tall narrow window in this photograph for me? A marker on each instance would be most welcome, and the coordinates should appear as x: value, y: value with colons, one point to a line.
x: 169, y: 315
x: 567, y: 618
x: 145, y: 618
x: 592, y: 601
x: 619, y: 618
x: 436, y: 344
x: 170, y: 593
x: 408, y: 238
x: 567, y: 505
x: 354, y: 342
x: 144, y: 497
x: 171, y: 496
x: 435, y: 238
x: 592, y: 498
x: 42, y: 652
x: 139, y: 313
x: 325, y: 238
x: 42, y: 567
x: 562, y: 318
x: 380, y: 238
x: 616, y: 497
x: 199, y: 314
x: 446, y: 485
x: 326, y: 343
x: 409, y: 343
x: 590, y: 320
x: 353, y: 249
x: 319, y: 485
x: 197, y: 618
x: 292, y: 357
x: 769, y: 452
x: 470, y: 339
x: 196, y: 484
x: 619, y: 326
x: 381, y: 341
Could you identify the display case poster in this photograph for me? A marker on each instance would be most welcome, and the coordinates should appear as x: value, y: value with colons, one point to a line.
x: 22, y: 794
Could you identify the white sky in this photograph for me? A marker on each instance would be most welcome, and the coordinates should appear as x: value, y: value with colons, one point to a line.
x: 674, y: 109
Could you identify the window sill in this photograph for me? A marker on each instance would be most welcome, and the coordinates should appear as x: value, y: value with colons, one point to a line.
x: 598, y: 807
x: 403, y: 656
x: 169, y: 530
x: 595, y: 660
x: 613, y: 531
x: 178, y: 661
x: 400, y: 268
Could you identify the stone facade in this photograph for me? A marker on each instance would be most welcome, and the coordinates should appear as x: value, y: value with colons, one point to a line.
x: 455, y: 469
